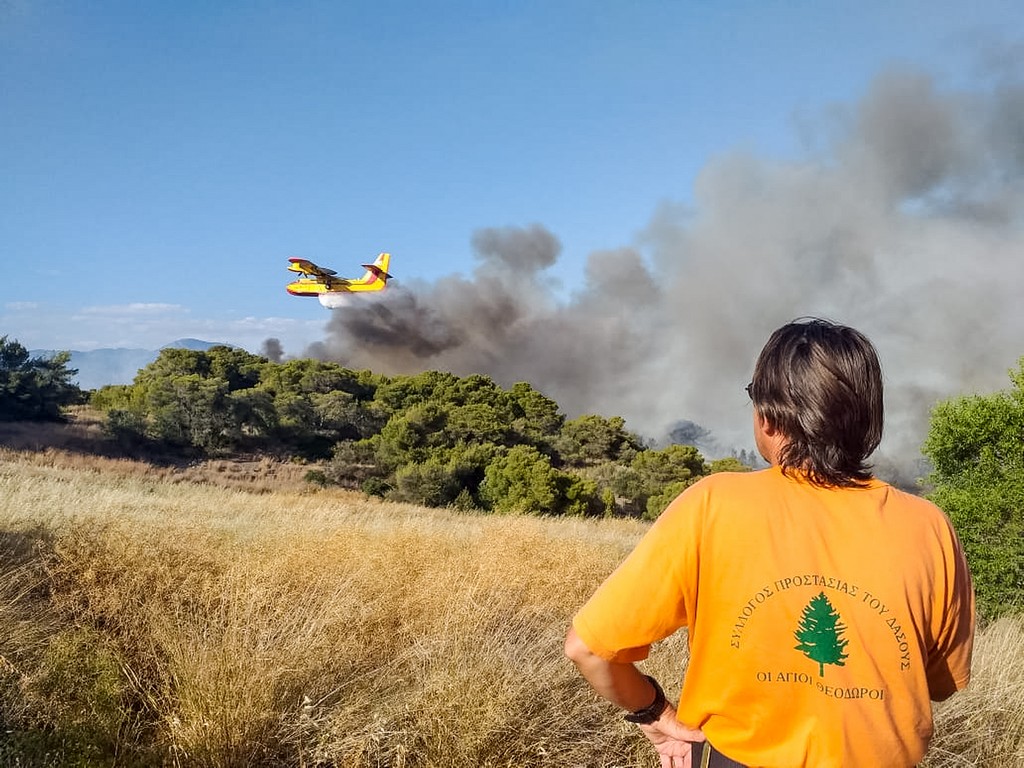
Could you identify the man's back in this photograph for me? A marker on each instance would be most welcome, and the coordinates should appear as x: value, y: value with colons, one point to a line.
x: 825, y: 609
x: 821, y: 619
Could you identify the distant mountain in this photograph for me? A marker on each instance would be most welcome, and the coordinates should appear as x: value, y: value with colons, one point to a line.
x: 195, y: 344
x: 100, y: 367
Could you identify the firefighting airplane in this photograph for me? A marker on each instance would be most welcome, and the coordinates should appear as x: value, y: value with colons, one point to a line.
x: 322, y: 283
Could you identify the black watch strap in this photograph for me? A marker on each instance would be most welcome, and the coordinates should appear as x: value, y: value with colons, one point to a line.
x: 653, y: 711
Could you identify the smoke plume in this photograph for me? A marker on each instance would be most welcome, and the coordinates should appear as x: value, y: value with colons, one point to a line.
x: 906, y: 224
x: 272, y: 350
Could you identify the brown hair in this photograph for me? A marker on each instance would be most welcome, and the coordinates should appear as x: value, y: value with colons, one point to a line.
x: 820, y: 385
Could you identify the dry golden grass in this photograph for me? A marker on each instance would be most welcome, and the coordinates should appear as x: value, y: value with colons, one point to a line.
x: 322, y: 628
x: 80, y: 443
x: 198, y: 625
x: 984, y: 725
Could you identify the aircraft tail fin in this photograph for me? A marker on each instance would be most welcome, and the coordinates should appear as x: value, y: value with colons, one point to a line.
x: 377, y: 271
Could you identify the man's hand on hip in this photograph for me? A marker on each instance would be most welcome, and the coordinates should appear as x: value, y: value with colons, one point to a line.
x: 672, y: 739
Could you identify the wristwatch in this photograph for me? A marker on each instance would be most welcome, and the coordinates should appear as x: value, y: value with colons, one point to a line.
x: 652, y: 711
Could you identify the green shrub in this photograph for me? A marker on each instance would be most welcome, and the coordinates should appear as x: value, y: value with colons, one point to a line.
x: 976, y: 445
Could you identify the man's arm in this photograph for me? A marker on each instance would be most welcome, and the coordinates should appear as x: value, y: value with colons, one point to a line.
x: 622, y: 684
x: 949, y: 661
x: 626, y: 686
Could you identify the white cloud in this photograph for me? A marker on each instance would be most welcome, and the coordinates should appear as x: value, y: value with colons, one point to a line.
x: 137, y: 308
x: 147, y: 326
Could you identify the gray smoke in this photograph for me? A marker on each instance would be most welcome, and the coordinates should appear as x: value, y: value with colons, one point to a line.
x: 272, y: 350
x: 906, y: 224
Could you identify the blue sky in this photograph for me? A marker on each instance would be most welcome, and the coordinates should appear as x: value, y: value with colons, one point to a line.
x: 159, y: 161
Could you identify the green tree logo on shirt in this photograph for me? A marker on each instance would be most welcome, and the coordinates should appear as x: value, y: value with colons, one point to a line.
x: 820, y: 634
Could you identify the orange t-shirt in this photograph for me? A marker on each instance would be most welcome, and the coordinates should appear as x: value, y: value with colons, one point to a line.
x: 821, y: 621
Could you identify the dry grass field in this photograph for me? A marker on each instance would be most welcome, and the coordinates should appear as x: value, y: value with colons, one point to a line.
x: 147, y: 621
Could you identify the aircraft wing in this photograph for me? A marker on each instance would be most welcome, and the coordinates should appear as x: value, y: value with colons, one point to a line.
x: 309, y: 268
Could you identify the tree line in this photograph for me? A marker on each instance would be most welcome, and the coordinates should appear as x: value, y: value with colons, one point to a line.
x: 437, y: 439
x: 432, y: 438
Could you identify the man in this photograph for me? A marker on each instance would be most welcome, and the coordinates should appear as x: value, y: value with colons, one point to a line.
x: 824, y: 608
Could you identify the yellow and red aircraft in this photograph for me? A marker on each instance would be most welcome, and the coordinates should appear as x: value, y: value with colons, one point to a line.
x: 322, y: 283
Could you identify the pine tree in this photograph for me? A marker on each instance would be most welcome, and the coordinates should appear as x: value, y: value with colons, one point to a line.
x: 34, y: 388
x: 820, y: 634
